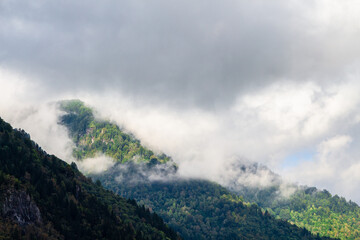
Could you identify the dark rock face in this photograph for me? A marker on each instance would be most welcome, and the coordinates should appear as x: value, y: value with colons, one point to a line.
x: 18, y: 206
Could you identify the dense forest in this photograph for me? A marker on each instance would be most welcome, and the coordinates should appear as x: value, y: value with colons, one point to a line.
x: 42, y: 197
x: 198, y: 209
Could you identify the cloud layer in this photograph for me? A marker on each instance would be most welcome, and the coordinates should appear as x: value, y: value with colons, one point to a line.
x: 182, y: 52
x: 207, y: 82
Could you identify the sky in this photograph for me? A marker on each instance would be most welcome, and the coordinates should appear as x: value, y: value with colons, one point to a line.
x: 207, y: 82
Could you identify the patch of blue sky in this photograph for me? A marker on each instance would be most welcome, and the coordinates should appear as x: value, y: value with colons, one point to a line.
x: 296, y: 158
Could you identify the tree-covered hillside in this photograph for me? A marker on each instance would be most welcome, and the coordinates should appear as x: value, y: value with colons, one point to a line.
x: 94, y: 136
x: 316, y: 210
x: 198, y: 209
x: 42, y: 197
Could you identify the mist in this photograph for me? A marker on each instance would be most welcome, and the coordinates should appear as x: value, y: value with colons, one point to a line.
x: 214, y: 145
x: 209, y: 83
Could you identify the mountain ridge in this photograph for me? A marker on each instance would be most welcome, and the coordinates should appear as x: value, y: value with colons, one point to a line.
x: 187, y: 208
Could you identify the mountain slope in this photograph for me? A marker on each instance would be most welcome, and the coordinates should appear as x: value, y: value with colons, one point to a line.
x: 93, y: 136
x: 308, y: 207
x: 198, y: 209
x: 42, y: 197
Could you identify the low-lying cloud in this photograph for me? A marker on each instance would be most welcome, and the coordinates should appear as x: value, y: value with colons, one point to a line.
x: 95, y: 165
x: 263, y: 127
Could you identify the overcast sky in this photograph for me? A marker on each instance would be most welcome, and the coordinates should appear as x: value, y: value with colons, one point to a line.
x: 207, y: 82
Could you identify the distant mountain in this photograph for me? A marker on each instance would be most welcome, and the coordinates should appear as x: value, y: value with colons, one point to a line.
x: 198, y: 209
x: 316, y: 210
x: 42, y: 197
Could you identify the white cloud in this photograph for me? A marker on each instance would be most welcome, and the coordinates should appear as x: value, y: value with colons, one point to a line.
x: 24, y: 104
x: 332, y: 146
x: 332, y: 168
x: 263, y: 126
x: 95, y: 165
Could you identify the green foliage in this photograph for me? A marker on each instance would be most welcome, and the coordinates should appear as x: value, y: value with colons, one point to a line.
x: 199, y: 209
x: 71, y: 205
x: 92, y: 136
x: 320, y: 213
x: 78, y: 117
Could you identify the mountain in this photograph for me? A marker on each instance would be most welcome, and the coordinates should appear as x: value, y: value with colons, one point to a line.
x: 198, y: 209
x: 42, y: 197
x: 316, y: 210
x: 92, y: 136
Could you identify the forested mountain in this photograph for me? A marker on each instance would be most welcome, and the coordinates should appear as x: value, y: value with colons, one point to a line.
x: 42, y: 197
x: 316, y: 210
x: 92, y: 136
x: 198, y: 209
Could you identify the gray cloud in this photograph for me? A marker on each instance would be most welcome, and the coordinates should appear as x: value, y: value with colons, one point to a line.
x: 182, y: 52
